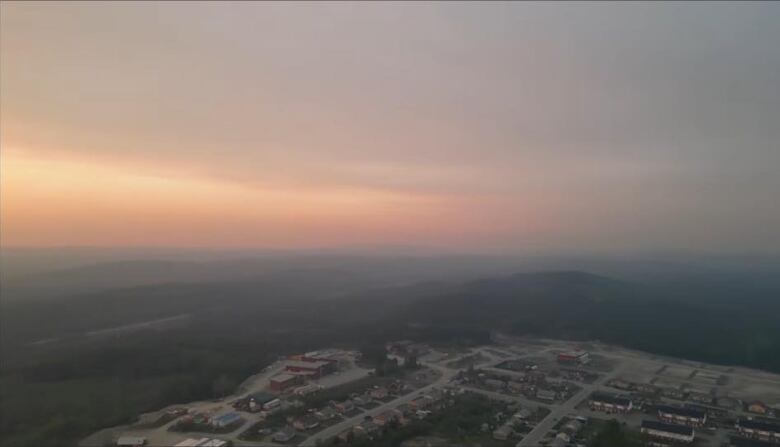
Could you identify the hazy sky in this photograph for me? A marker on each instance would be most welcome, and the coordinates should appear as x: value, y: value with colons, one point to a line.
x: 512, y: 126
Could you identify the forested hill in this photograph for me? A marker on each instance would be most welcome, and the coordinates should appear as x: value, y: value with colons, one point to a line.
x: 678, y: 320
x: 222, y: 332
x: 584, y: 306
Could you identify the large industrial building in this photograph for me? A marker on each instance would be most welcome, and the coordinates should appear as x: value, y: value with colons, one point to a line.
x: 579, y: 357
x: 313, y: 369
x: 281, y: 382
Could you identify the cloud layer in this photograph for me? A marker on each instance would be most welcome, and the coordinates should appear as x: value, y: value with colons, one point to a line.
x: 506, y: 125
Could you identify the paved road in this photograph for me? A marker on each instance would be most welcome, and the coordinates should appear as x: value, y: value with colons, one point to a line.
x: 507, y: 397
x: 446, y: 375
x: 333, y: 430
x: 538, y: 433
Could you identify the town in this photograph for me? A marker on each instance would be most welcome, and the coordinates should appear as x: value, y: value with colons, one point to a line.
x: 515, y: 392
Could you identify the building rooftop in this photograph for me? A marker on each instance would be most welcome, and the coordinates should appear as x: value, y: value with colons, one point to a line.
x: 504, y: 430
x: 191, y: 442
x: 283, y: 377
x: 262, y: 397
x: 131, y: 440
x: 736, y: 441
x: 610, y: 399
x: 687, y: 412
x: 573, y: 354
x: 546, y: 393
x: 228, y: 417
x: 759, y: 425
x: 214, y: 443
x: 304, y: 364
x: 558, y: 442
x: 669, y: 428
x: 284, y: 434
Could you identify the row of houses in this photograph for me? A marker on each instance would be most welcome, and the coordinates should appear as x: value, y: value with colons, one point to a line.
x: 578, y: 375
x: 610, y: 404
x: 689, y: 414
x: 304, y: 423
x: 706, y: 397
x: 759, y: 429
x: 365, y: 399
x: 668, y: 432
x: 202, y: 442
x: 419, y: 407
x: 374, y: 424
x: 736, y: 441
x: 691, y: 417
x: 533, y: 385
x: 650, y: 389
x: 371, y: 426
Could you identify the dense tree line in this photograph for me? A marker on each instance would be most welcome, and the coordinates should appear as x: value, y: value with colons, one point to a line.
x: 58, y: 394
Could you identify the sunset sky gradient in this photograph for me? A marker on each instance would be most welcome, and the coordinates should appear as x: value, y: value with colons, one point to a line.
x: 482, y: 126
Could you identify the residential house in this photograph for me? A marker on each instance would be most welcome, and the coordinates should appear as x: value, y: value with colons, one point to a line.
x: 366, y: 428
x: 326, y: 414
x: 572, y: 427
x: 758, y: 407
x: 345, y: 406
x: 546, y: 395
x: 305, y: 423
x: 226, y: 420
x: 378, y: 393
x: 386, y: 417
x: 284, y: 435
x: 405, y: 409
x: 131, y: 441
x: 362, y: 400
x: 503, y: 432
x: 346, y: 435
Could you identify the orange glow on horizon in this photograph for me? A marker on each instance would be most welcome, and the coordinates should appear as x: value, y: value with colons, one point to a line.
x: 67, y: 201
